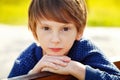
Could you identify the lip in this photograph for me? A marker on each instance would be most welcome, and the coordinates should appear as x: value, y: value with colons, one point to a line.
x: 55, y: 49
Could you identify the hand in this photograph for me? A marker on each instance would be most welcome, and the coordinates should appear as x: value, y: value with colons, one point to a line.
x: 64, y: 70
x: 61, y: 65
x: 73, y: 68
x: 50, y: 62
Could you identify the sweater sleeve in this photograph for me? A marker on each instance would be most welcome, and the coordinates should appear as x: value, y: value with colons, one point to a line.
x: 24, y: 63
x: 96, y: 74
x: 98, y: 66
x: 22, y: 66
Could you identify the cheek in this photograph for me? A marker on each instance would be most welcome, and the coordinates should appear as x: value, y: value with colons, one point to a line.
x: 70, y: 38
x: 68, y: 43
x: 41, y: 39
x: 67, y: 47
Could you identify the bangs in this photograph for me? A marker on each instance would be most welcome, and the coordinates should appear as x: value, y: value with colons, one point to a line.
x: 52, y: 10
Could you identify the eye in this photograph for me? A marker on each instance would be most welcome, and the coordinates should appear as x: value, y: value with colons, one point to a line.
x: 65, y: 29
x: 46, y: 28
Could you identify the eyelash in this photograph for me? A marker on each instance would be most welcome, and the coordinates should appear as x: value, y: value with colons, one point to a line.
x: 46, y: 28
x: 66, y: 28
x: 63, y: 29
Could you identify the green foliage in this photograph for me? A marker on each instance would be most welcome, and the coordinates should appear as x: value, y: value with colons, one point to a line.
x: 14, y: 12
x: 10, y: 2
x: 100, y: 12
x: 103, y: 13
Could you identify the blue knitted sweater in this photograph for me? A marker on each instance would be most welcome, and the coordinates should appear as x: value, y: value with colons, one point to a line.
x: 98, y: 67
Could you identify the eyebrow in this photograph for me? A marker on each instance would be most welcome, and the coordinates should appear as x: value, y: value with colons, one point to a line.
x: 64, y: 24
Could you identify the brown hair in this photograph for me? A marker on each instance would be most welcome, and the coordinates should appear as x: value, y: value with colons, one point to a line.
x: 64, y: 11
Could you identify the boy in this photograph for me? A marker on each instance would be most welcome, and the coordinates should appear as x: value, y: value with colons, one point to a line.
x: 58, y: 26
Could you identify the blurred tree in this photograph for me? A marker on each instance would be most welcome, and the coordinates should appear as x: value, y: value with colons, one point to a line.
x: 87, y: 3
x: 11, y: 2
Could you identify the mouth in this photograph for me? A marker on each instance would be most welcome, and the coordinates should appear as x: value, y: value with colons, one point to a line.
x: 55, y: 49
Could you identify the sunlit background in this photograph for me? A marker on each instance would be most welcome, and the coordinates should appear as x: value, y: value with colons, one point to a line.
x: 100, y: 12
x: 103, y: 28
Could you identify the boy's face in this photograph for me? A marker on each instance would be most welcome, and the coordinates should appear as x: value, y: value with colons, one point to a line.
x: 56, y: 38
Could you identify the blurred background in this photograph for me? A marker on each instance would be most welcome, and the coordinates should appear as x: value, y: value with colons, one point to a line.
x: 103, y: 28
x: 100, y: 13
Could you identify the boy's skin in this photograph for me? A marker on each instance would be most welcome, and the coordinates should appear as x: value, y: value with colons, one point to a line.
x: 56, y: 39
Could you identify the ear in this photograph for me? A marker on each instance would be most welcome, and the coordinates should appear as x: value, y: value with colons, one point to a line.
x: 79, y: 36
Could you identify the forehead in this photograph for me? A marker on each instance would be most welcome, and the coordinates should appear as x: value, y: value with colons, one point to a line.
x: 53, y: 23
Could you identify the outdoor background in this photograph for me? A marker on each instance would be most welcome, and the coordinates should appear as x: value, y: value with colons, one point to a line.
x: 103, y: 28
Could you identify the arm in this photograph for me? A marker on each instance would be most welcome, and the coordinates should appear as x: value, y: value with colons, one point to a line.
x: 95, y: 70
x: 22, y: 65
x: 60, y: 65
x: 97, y: 65
x: 24, y: 62
x: 87, y: 72
x: 100, y: 68
x: 18, y: 69
x: 100, y: 75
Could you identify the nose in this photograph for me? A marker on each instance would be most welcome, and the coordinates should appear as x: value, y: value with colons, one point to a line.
x: 55, y: 38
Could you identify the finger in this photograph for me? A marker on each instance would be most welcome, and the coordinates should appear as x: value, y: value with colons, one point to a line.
x: 50, y: 65
x: 63, y: 58
x: 39, y: 66
x: 58, y: 62
x: 61, y: 70
x: 49, y: 70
